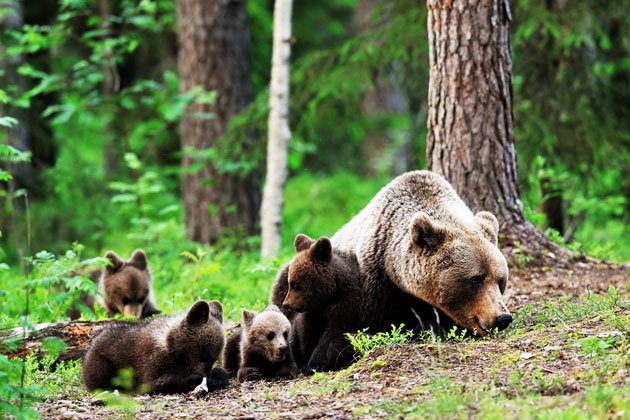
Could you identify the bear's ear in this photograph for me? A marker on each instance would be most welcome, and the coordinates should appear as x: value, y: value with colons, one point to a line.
x: 321, y: 250
x: 138, y: 259
x: 216, y: 310
x: 273, y: 308
x: 425, y: 233
x: 198, y: 314
x: 489, y: 225
x: 115, y: 263
x: 302, y: 242
x: 248, y: 318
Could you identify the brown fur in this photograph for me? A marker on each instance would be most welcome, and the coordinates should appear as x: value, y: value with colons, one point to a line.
x: 418, y: 235
x: 263, y: 347
x: 324, y: 287
x: 167, y: 354
x: 127, y: 286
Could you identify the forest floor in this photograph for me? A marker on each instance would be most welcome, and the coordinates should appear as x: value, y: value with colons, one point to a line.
x: 566, y: 355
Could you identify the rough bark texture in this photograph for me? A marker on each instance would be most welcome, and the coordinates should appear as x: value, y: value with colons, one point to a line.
x: 76, y: 334
x: 213, y: 54
x: 470, y: 137
x: 279, y: 132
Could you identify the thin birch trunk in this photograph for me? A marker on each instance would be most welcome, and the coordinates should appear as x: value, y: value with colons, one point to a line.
x: 279, y: 132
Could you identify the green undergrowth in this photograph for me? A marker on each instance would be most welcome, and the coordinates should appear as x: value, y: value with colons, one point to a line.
x: 561, y: 359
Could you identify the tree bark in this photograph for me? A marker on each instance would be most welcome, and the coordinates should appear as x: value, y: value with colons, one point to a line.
x: 470, y: 139
x: 76, y: 334
x: 213, y: 54
x: 279, y: 132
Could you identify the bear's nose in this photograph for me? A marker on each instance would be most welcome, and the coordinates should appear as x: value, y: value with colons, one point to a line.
x: 503, y: 321
x: 283, y: 349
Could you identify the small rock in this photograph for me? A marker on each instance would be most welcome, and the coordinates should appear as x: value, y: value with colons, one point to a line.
x: 526, y: 355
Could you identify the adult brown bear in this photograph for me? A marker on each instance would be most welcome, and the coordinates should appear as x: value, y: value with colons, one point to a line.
x: 418, y: 235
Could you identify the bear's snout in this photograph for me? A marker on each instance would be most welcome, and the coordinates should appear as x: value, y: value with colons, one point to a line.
x: 503, y: 321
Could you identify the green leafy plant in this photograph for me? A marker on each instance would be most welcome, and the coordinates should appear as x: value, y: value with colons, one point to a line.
x: 363, y: 343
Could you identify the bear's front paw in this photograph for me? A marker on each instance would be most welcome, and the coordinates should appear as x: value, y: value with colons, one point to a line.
x: 248, y: 374
x: 218, y: 378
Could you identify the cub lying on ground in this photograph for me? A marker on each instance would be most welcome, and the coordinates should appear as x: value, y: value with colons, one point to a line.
x: 167, y: 354
x: 261, y: 347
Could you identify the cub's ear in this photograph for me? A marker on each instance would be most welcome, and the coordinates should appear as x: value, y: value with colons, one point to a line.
x: 302, y: 242
x: 138, y: 259
x: 198, y: 314
x: 489, y: 225
x: 248, y: 318
x: 321, y: 250
x: 273, y: 308
x: 216, y: 310
x: 115, y: 263
x: 425, y: 233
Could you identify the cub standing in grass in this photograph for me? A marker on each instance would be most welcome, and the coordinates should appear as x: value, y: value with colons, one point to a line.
x: 127, y: 286
x: 261, y: 347
x: 167, y: 354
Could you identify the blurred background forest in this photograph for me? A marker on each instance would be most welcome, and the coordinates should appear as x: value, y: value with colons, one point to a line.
x: 91, y: 102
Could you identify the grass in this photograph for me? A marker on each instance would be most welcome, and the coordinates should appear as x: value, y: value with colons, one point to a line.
x: 184, y: 272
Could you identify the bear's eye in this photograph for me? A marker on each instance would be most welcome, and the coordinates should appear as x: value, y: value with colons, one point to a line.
x: 477, y: 280
x: 270, y: 335
x: 125, y: 300
x: 285, y: 335
x: 502, y: 284
x: 142, y: 299
x: 294, y: 286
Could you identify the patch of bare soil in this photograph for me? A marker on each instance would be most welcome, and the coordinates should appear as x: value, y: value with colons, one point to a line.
x: 545, y: 361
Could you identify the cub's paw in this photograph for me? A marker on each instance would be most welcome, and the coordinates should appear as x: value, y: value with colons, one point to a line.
x: 248, y: 374
x: 218, y: 378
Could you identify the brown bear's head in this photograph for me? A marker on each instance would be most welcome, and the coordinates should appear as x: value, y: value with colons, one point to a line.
x: 466, y: 273
x: 199, y: 338
x: 266, y: 333
x: 126, y: 284
x: 311, y: 274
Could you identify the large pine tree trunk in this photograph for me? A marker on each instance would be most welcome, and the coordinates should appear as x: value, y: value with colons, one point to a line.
x: 279, y: 132
x: 213, y: 54
x: 470, y: 136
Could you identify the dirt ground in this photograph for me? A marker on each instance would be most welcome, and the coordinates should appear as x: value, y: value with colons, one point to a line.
x: 436, y: 379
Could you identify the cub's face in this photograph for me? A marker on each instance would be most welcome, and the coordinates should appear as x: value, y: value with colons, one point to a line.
x: 311, y: 277
x: 200, y: 337
x: 465, y: 275
x: 127, y: 284
x: 267, y: 333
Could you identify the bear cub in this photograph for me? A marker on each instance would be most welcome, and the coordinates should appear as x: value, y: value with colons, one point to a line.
x: 261, y: 347
x: 127, y: 286
x: 324, y: 287
x: 168, y: 354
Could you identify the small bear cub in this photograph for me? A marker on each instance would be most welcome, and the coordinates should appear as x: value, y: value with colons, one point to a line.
x: 261, y: 347
x: 324, y: 287
x: 168, y: 354
x: 127, y: 286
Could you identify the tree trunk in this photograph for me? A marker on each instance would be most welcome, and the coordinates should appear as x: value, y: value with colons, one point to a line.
x: 213, y: 54
x: 384, y: 150
x: 470, y: 139
x: 279, y: 132
x: 75, y: 334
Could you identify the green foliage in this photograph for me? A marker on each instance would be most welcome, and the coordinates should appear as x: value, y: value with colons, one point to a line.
x: 16, y: 400
x: 363, y: 343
